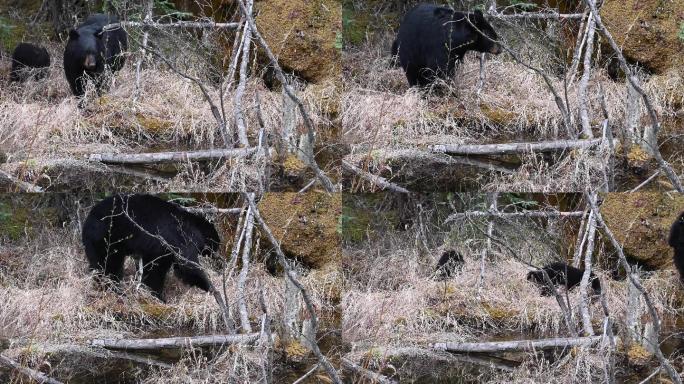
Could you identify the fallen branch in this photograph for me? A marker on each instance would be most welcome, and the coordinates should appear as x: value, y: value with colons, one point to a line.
x: 178, y: 24
x: 170, y: 157
x: 511, y: 215
x: 174, y: 342
x: 539, y: 15
x: 517, y: 345
x: 512, y: 148
x: 650, y: 178
x: 366, y: 373
x: 373, y: 179
x: 228, y: 211
x: 28, y: 372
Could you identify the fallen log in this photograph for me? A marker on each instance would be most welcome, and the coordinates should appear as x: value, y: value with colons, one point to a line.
x: 178, y: 24
x: 174, y: 342
x: 170, y: 157
x: 513, y: 148
x: 28, y: 372
x: 511, y: 215
x: 226, y: 211
x: 539, y: 15
x: 517, y: 345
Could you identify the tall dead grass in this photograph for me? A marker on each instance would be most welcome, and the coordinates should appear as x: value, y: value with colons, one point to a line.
x: 394, y: 300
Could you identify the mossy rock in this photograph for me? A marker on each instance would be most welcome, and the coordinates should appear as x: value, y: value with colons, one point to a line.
x: 641, y: 223
x: 304, y: 35
x: 649, y: 32
x: 305, y: 224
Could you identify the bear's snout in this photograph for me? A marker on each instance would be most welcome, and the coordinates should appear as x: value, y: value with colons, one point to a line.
x: 90, y: 62
x: 495, y: 49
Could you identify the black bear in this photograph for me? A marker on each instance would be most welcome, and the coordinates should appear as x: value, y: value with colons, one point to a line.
x: 557, y: 272
x: 449, y: 264
x: 90, y: 48
x: 676, y: 241
x: 29, y: 61
x: 162, y: 234
x: 432, y: 39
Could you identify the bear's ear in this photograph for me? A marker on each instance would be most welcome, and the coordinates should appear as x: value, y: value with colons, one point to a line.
x: 73, y: 34
x: 443, y: 13
x: 479, y: 17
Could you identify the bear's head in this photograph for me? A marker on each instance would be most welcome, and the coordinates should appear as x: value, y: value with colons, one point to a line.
x: 676, y: 239
x: 487, y: 40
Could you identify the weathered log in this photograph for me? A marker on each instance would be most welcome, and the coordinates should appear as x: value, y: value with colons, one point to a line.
x: 227, y: 211
x: 28, y: 372
x: 170, y: 157
x: 511, y: 215
x: 518, y: 345
x: 512, y: 148
x: 177, y: 24
x: 174, y: 342
x: 539, y: 15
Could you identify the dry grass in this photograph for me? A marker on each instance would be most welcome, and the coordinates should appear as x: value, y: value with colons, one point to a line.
x: 393, y: 300
x: 48, y: 298
x: 514, y: 105
x: 41, y: 123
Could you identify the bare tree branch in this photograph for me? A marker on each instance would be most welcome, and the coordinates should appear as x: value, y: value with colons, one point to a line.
x: 634, y: 81
x: 634, y: 279
x: 325, y: 181
x: 305, y: 295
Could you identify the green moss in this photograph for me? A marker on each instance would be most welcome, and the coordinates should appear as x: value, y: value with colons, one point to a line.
x: 14, y: 221
x: 11, y: 33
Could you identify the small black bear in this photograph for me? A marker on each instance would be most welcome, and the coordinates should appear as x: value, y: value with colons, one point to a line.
x: 449, y: 264
x: 676, y: 241
x: 90, y: 48
x: 557, y: 272
x: 29, y: 61
x: 432, y: 39
x: 162, y: 234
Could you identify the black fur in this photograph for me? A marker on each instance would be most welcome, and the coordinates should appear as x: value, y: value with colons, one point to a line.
x: 557, y: 272
x: 123, y: 225
x: 29, y: 61
x: 432, y: 39
x: 90, y: 48
x: 449, y: 264
x: 676, y: 241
